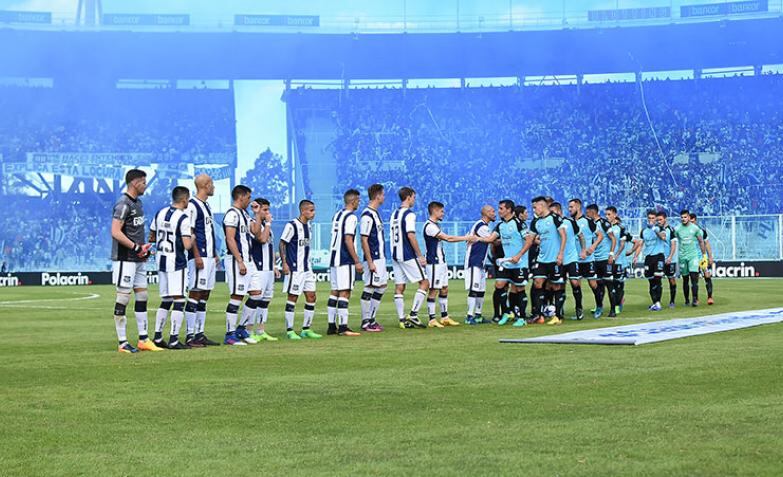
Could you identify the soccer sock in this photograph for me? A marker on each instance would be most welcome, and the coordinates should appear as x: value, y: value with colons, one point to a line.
x: 658, y: 290
x: 708, y: 285
x: 621, y: 292
x: 201, y: 317
x: 577, y: 292
x: 522, y: 297
x: 375, y: 303
x: 695, y: 285
x: 541, y: 298
x: 535, y: 307
x: 443, y: 301
x: 231, y: 315
x: 366, y: 304
x: 651, y: 289
x: 550, y: 296
x: 612, y: 295
x: 479, y: 302
x: 399, y: 303
x: 289, y: 315
x: 263, y: 314
x: 559, y: 297
x: 342, y: 311
x: 418, y: 300
x: 599, y: 291
x: 177, y: 313
x: 309, y: 313
x: 190, y: 317
x: 161, y: 316
x: 140, y: 308
x: 504, y: 308
x: 513, y: 302
x: 248, y: 312
x: 431, y: 308
x: 331, y: 309
x: 672, y: 292
x: 471, y: 303
x: 686, y: 287
x: 120, y: 322
x: 497, y: 299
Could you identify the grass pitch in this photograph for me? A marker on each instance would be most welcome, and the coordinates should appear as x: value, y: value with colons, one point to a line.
x: 413, y: 402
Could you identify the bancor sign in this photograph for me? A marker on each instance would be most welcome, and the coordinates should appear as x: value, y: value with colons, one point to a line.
x: 643, y: 333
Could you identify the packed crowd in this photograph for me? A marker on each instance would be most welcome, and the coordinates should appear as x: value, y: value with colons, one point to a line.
x: 713, y: 142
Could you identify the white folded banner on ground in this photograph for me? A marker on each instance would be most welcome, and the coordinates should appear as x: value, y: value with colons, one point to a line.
x: 643, y: 333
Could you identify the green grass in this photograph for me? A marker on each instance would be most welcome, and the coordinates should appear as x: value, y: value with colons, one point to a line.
x: 414, y: 402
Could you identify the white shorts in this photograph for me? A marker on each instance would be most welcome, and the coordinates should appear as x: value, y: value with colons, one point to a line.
x: 438, y: 275
x: 238, y: 284
x: 172, y: 283
x: 129, y: 275
x: 203, y: 279
x: 476, y: 279
x: 379, y: 277
x: 342, y: 277
x: 263, y: 282
x: 409, y: 271
x: 297, y: 282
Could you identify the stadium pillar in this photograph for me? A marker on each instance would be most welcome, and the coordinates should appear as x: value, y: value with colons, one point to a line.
x: 580, y: 79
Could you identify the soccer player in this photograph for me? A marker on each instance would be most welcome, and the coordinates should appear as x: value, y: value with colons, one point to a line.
x: 170, y: 232
x: 238, y: 264
x: 373, y: 246
x: 706, y: 268
x: 669, y: 252
x: 575, y: 244
x: 202, y: 262
x: 407, y: 260
x: 592, y: 236
x: 475, y: 256
x: 298, y: 270
x: 604, y: 260
x: 511, y: 271
x: 129, y: 252
x: 551, y: 231
x: 437, y: 270
x: 262, y: 280
x: 342, y: 260
x: 618, y: 254
x: 690, y: 240
x: 500, y: 294
x: 652, y: 239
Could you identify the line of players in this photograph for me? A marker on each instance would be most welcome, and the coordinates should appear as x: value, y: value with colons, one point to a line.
x: 554, y: 246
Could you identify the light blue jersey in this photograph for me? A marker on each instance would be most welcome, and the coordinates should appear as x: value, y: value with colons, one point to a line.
x: 572, y: 248
x: 512, y: 235
x: 588, y: 229
x: 653, y: 244
x: 547, y: 229
x: 602, y: 250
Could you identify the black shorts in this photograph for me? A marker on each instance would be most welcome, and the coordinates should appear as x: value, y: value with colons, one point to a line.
x: 618, y: 272
x: 572, y: 270
x: 653, y: 266
x: 587, y: 271
x: 670, y: 269
x: 552, y: 272
x: 515, y: 276
x: 603, y: 270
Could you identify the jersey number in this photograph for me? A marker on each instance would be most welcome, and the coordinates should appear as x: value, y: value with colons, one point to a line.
x: 165, y: 241
x: 395, y: 230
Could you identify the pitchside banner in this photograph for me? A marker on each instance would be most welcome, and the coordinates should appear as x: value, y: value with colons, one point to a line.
x: 9, y: 16
x: 725, y: 8
x: 132, y: 19
x: 761, y: 269
x: 278, y: 20
x: 644, y: 333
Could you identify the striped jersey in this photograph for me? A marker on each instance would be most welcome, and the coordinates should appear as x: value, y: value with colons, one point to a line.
x: 170, y: 225
x: 297, y: 235
x: 371, y: 226
x: 476, y: 253
x: 239, y: 220
x: 203, y: 225
x: 433, y: 244
x: 403, y: 222
x: 263, y: 254
x: 344, y: 224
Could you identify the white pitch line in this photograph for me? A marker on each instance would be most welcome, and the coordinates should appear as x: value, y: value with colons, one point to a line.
x: 89, y: 296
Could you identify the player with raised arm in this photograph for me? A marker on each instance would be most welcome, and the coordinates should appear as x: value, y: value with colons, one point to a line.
x: 342, y: 261
x: 375, y: 275
x: 690, y: 240
x: 238, y: 264
x: 475, y: 256
x: 670, y: 254
x: 437, y: 270
x: 262, y: 281
x: 171, y: 233
x: 592, y: 236
x: 407, y: 260
x: 129, y: 252
x: 298, y: 270
x: 202, y: 261
x: 652, y: 239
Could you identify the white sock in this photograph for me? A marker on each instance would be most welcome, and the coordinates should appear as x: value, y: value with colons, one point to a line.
x: 444, y: 306
x: 201, y: 318
x: 231, y: 318
x: 479, y: 304
x: 431, y: 307
x: 471, y: 305
x: 342, y: 311
x: 309, y: 313
x: 190, y: 317
x: 247, y: 314
x: 366, y: 304
x: 375, y: 303
x: 289, y: 315
x: 160, y: 319
x: 418, y: 300
x: 120, y: 323
x: 141, y: 322
x: 176, y: 321
x: 399, y: 303
x: 331, y: 309
x: 263, y: 313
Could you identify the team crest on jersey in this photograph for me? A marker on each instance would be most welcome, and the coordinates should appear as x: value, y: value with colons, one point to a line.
x: 241, y: 287
x: 295, y: 288
x: 126, y: 279
x: 138, y: 220
x: 202, y: 281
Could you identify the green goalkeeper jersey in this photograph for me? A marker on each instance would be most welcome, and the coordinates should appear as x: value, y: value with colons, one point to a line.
x: 687, y: 236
